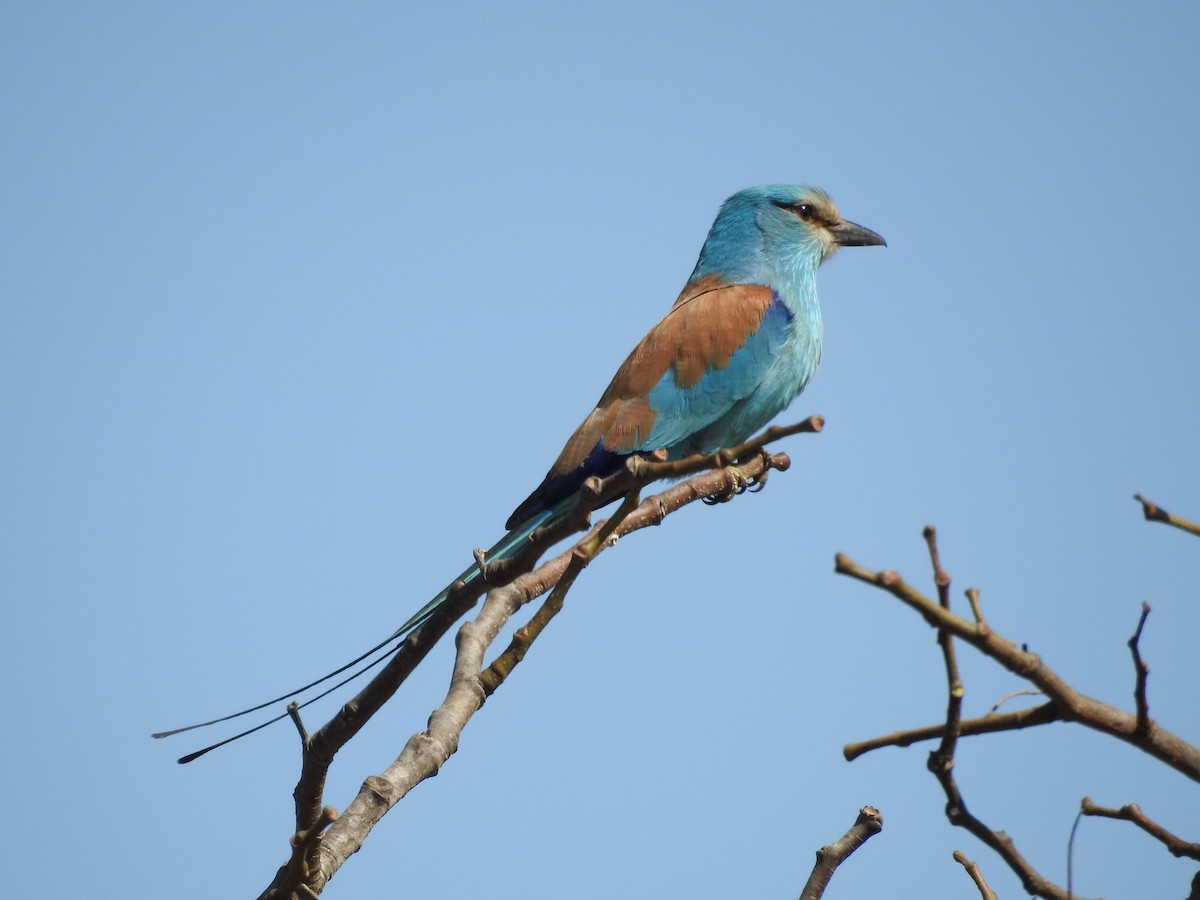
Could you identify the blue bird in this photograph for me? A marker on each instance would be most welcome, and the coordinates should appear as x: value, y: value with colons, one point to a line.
x: 739, y: 344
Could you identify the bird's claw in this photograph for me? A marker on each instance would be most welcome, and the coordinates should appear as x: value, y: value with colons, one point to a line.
x: 740, y: 485
x: 759, y: 481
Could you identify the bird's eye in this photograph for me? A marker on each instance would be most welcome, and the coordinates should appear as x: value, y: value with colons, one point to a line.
x: 805, y: 212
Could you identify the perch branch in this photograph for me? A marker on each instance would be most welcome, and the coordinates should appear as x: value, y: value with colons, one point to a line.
x: 471, y: 683
x: 494, y: 675
x: 425, y: 752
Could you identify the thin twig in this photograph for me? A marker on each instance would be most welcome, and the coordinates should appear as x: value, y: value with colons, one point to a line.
x: 868, y: 824
x: 1131, y: 812
x: 1141, y: 671
x: 493, y: 676
x: 1012, y: 695
x: 1154, y: 513
x: 942, y: 767
x: 989, y: 724
x: 976, y: 876
x: 941, y: 761
x: 954, y: 691
x: 1071, y: 856
x: 973, y: 599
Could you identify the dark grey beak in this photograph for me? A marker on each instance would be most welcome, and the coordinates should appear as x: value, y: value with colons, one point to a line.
x: 849, y: 234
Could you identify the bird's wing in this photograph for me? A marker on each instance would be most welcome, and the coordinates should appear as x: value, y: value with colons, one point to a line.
x: 709, y: 352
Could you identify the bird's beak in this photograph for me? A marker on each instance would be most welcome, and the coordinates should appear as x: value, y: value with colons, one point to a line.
x: 850, y: 234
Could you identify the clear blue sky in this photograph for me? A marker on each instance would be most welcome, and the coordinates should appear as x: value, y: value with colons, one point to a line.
x: 299, y: 300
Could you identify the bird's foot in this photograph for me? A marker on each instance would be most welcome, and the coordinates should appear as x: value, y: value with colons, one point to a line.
x: 759, y: 481
x: 741, y: 483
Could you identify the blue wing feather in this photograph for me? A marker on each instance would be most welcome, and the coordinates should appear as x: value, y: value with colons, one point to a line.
x: 683, y: 414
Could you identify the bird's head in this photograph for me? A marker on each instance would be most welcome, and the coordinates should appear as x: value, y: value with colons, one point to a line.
x: 807, y: 215
x: 791, y: 224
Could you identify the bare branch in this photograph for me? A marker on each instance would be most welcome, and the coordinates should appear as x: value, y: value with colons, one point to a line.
x: 1141, y: 670
x: 829, y: 857
x: 493, y: 676
x: 426, y: 751
x: 989, y: 724
x: 973, y: 870
x: 1065, y: 703
x: 319, y: 749
x: 941, y: 760
x: 973, y: 598
x: 290, y: 880
x: 312, y: 817
x: 1155, y: 513
x: 1070, y: 704
x: 653, y: 471
x: 1131, y: 812
x: 1032, y: 881
x: 946, y: 641
x: 471, y: 682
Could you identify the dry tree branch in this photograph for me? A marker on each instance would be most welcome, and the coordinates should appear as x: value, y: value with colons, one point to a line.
x: 941, y: 764
x: 955, y: 693
x: 318, y: 854
x: 868, y: 824
x: 976, y: 876
x: 1131, y: 812
x: 1154, y: 513
x: 1068, y: 704
x: 302, y: 863
x: 584, y: 552
x: 941, y: 761
x: 989, y: 724
x: 1065, y: 704
x: 1141, y: 671
x: 426, y: 751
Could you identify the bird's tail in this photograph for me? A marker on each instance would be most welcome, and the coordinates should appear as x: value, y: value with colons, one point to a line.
x: 507, y: 547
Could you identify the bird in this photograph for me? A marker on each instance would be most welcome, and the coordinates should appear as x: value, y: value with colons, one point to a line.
x: 740, y: 342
